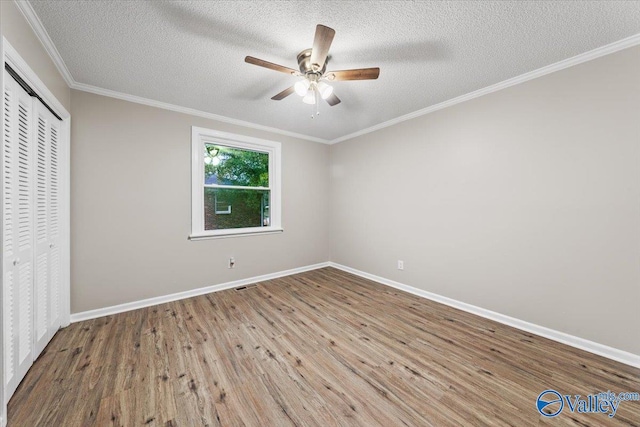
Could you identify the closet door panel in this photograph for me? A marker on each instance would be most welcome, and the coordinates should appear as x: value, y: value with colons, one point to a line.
x: 18, y: 230
x: 47, y: 226
x: 25, y: 233
x: 8, y: 218
x: 42, y: 285
x: 55, y: 221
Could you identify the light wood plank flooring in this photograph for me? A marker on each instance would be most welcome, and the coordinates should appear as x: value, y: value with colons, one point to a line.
x: 322, y: 348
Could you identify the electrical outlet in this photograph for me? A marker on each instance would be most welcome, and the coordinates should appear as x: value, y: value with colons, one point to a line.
x: 232, y: 262
x: 400, y: 265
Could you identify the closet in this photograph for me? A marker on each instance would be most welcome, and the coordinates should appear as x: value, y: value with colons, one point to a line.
x: 31, y: 229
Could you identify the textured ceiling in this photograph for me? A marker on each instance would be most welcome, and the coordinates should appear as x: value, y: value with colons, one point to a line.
x: 192, y: 53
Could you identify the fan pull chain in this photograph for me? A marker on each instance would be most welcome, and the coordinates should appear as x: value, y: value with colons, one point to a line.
x: 317, y: 105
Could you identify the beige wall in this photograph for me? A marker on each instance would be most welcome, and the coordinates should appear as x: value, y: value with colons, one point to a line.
x: 131, y: 207
x: 525, y: 201
x: 19, y: 34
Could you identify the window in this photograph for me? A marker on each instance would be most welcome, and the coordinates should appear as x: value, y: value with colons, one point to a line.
x: 235, y: 184
x: 225, y: 209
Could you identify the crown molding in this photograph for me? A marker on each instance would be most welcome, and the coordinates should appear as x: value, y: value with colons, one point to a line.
x: 37, y: 26
x: 191, y: 111
x: 552, y: 68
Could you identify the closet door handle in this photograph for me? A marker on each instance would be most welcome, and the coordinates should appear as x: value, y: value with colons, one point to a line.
x: 51, y: 245
x: 16, y: 261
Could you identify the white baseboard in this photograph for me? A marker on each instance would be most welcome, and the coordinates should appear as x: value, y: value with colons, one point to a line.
x: 121, y: 308
x: 564, y: 338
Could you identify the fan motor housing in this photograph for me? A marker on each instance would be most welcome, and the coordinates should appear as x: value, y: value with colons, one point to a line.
x: 304, y: 62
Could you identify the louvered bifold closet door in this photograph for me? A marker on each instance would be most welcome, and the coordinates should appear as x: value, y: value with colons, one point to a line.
x: 47, y: 226
x: 17, y: 194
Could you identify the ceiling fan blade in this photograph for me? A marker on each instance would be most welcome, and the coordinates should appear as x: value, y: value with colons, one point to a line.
x: 333, y: 100
x: 321, y: 44
x: 270, y: 65
x: 358, y: 74
x: 288, y: 91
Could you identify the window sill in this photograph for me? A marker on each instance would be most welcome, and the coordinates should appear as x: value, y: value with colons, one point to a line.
x: 224, y: 234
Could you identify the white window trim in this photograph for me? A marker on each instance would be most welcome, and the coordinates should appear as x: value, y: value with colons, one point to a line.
x: 201, y: 136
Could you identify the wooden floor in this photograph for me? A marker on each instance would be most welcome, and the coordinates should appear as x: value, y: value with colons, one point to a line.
x: 321, y: 348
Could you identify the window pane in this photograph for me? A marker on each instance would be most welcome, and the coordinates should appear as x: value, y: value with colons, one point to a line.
x: 233, y: 166
x: 235, y: 208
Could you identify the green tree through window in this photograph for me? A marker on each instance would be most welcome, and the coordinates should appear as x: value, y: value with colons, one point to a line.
x: 226, y: 166
x: 237, y: 167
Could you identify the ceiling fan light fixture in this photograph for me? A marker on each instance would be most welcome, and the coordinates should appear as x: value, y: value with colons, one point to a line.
x: 310, y: 97
x: 325, y: 90
x: 302, y: 87
x: 313, y: 80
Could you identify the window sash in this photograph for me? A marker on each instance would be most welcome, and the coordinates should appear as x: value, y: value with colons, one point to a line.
x: 237, y: 147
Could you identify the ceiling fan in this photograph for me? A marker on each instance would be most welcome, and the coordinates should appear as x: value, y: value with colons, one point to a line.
x: 313, y: 70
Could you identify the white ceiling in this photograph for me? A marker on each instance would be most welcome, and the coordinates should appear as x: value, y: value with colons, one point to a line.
x: 191, y: 54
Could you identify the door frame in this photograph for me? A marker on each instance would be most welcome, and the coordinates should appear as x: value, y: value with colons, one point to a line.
x: 12, y: 57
